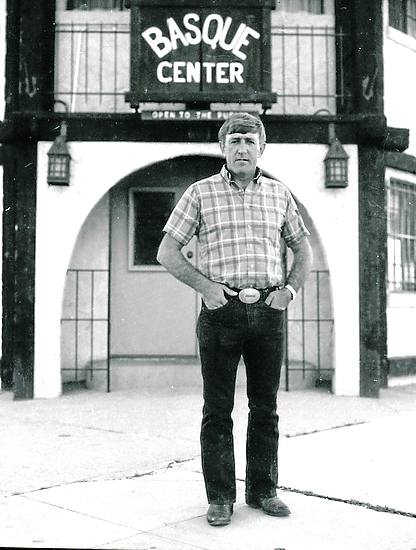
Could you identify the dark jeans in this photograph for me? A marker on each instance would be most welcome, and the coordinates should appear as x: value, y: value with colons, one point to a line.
x: 254, y: 331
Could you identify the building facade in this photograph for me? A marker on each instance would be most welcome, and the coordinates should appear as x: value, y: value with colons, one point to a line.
x: 84, y: 299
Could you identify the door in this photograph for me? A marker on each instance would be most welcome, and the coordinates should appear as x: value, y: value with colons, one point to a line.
x: 152, y: 313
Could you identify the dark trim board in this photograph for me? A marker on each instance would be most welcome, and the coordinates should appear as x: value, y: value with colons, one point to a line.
x: 402, y: 366
x: 43, y: 126
x: 401, y: 161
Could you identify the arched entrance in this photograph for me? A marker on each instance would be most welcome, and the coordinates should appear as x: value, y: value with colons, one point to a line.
x: 124, y: 315
x: 152, y: 314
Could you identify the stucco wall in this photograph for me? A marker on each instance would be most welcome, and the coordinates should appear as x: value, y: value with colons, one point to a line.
x: 96, y: 167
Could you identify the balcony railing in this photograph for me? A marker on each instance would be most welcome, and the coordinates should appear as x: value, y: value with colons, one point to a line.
x: 92, y: 67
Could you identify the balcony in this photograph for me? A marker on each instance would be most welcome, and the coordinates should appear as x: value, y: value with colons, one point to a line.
x: 92, y: 64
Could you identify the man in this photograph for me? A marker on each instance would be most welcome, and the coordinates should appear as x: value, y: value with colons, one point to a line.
x: 239, y: 216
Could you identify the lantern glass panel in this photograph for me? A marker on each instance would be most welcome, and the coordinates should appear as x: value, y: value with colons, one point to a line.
x: 58, y: 168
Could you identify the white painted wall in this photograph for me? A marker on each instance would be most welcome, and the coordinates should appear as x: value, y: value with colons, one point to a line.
x: 401, y: 306
x: 335, y: 214
x: 400, y: 80
x: 96, y: 167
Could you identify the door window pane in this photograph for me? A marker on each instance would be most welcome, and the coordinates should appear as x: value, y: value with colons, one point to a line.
x: 151, y: 210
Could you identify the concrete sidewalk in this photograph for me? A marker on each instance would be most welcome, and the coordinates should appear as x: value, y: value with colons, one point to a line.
x: 122, y: 470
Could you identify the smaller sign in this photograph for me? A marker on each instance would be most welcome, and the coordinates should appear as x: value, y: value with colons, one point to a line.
x: 186, y: 115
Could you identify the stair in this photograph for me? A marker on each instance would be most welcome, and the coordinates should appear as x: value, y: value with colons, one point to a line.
x: 147, y: 372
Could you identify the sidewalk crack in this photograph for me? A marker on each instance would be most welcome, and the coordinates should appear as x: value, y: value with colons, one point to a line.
x: 319, y: 430
x: 352, y: 502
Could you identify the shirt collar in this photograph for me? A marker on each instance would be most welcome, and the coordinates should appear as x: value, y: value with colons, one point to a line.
x: 226, y: 174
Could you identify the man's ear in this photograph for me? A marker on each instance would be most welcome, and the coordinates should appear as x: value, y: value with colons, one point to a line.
x: 261, y: 149
x: 222, y: 147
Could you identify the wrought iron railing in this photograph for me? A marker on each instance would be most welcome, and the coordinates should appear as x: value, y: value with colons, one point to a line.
x: 85, y: 332
x: 85, y: 325
x: 92, y: 67
x: 310, y: 332
x: 304, y: 69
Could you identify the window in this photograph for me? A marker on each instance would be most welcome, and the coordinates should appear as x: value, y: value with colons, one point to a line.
x: 402, y: 16
x: 149, y: 211
x: 95, y: 4
x: 295, y: 6
x: 401, y: 236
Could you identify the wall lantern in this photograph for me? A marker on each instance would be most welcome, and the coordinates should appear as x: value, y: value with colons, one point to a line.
x: 59, y: 159
x: 336, y: 162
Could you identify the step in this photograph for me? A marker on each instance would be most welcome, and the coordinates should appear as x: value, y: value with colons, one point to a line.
x: 132, y: 373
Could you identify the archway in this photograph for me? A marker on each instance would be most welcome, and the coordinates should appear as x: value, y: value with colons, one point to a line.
x: 120, y: 307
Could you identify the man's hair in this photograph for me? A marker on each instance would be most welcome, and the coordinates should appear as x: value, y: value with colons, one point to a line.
x: 242, y: 123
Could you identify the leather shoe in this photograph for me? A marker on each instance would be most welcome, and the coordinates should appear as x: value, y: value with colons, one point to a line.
x: 219, y: 514
x: 272, y: 506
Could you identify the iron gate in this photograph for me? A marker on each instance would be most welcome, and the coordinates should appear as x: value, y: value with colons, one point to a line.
x: 86, y: 326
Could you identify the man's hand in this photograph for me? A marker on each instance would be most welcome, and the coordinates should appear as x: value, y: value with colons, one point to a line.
x: 214, y: 296
x: 279, y: 299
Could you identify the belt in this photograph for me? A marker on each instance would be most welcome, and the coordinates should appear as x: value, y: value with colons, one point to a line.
x: 251, y: 295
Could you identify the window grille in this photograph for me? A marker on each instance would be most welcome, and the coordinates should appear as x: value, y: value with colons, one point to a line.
x: 295, y: 6
x: 401, y: 236
x: 402, y: 16
x: 95, y: 4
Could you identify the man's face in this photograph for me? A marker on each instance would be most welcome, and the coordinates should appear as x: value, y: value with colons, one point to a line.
x: 241, y: 152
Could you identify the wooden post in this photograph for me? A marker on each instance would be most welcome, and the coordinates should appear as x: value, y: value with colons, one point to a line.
x: 373, y: 244
x: 19, y: 267
x: 361, y: 54
x: 362, y: 82
x: 29, y: 87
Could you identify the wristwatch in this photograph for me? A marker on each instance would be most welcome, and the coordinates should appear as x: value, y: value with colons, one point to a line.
x: 291, y: 290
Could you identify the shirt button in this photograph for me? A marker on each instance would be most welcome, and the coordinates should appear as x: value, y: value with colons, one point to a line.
x: 249, y: 226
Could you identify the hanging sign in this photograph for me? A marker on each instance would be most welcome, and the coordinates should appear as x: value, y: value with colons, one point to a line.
x: 184, y: 52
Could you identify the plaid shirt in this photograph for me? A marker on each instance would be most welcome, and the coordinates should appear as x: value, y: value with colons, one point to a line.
x: 238, y: 231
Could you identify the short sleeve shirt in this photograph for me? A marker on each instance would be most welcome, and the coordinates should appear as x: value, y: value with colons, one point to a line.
x: 239, y: 231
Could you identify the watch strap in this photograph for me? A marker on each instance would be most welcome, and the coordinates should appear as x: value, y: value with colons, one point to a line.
x: 291, y: 290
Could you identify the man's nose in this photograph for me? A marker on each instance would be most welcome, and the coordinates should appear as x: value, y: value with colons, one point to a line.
x: 242, y: 146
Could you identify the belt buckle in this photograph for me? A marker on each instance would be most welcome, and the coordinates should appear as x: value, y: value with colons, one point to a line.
x: 249, y: 295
